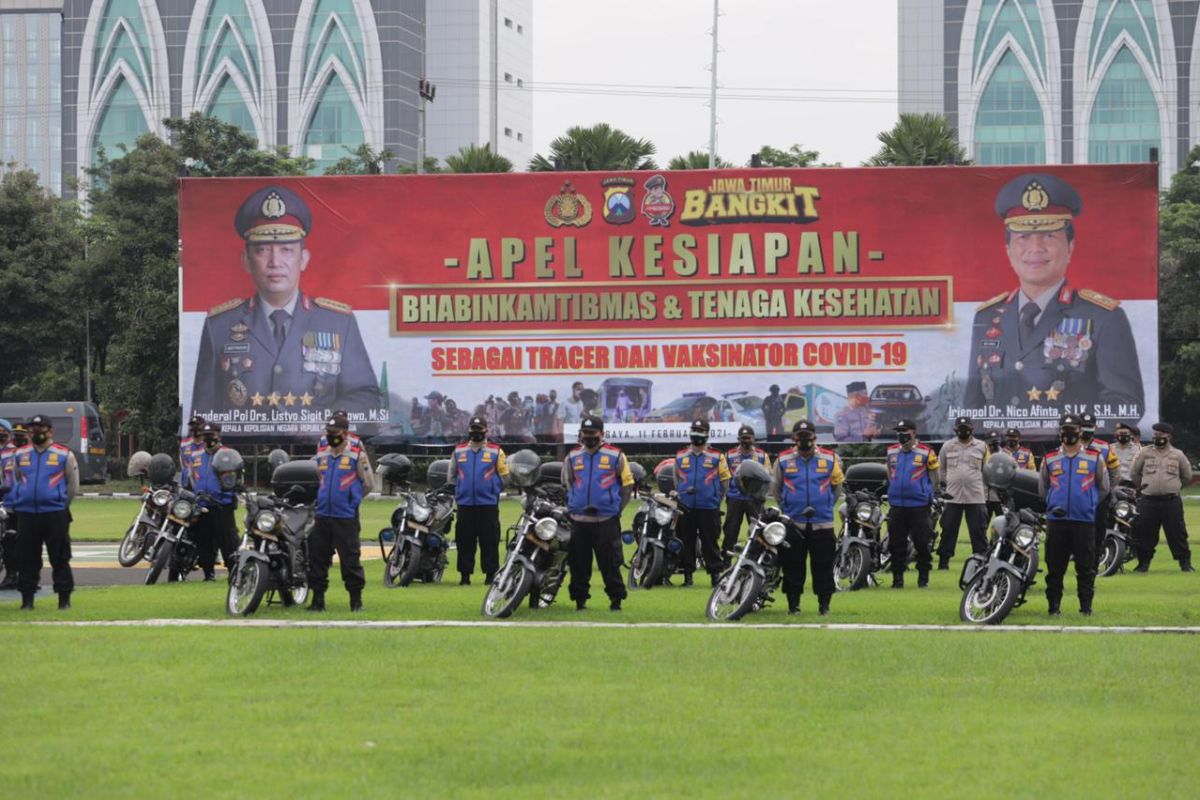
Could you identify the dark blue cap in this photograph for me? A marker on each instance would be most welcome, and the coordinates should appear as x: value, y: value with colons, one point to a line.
x: 273, y: 214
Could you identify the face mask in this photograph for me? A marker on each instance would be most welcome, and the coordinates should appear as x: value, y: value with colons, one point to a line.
x: 1069, y: 437
x: 335, y: 440
x: 698, y: 440
x: 1087, y: 435
x: 903, y: 437
x: 477, y: 435
x: 40, y: 438
x: 20, y: 441
x: 994, y: 447
x: 747, y: 443
x: 963, y: 433
x: 1160, y: 441
x: 1013, y: 444
x: 591, y: 442
x: 211, y: 443
x: 1123, y: 438
x: 804, y: 442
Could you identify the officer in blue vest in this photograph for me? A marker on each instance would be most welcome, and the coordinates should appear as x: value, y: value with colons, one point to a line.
x: 701, y: 480
x: 216, y: 529
x: 738, y: 507
x: 477, y: 473
x: 912, y: 475
x: 8, y: 453
x: 188, y: 447
x: 1073, y: 479
x: 1087, y: 437
x: 46, y: 481
x: 345, y: 479
x: 599, y: 484
x: 807, y: 482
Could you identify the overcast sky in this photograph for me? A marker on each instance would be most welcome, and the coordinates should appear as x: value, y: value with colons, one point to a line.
x: 821, y: 73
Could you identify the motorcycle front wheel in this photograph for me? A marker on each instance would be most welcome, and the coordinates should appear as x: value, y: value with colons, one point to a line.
x: 1112, y: 556
x: 392, y: 566
x: 850, y: 571
x: 162, y: 560
x: 247, y: 588
x: 410, y: 565
x: 647, y: 572
x: 133, y: 545
x: 506, y: 592
x: 293, y: 597
x: 987, y: 602
x: 733, y: 597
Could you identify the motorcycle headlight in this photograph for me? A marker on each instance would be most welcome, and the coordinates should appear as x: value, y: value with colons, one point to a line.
x: 545, y: 529
x: 1123, y: 510
x: 1024, y: 537
x: 420, y: 512
x: 663, y: 515
x: 266, y: 521
x: 160, y: 498
x: 775, y: 533
x: 863, y: 513
x: 182, y: 509
x: 433, y: 540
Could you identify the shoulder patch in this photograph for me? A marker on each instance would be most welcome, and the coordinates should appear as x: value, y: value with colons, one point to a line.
x: 684, y: 450
x: 992, y: 302
x: 228, y: 305
x: 1104, y: 301
x: 332, y: 305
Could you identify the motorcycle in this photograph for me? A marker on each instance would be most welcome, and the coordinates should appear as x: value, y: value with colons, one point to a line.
x: 659, y: 550
x: 995, y: 581
x: 1119, y: 547
x: 8, y: 535
x: 859, y: 549
x: 159, y: 471
x: 273, y: 556
x: 536, y: 564
x: 936, y: 506
x: 749, y: 584
x: 419, y: 537
x: 174, y: 550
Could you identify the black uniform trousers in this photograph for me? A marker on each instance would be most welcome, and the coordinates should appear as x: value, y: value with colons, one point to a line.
x: 952, y: 516
x: 704, y: 525
x: 12, y: 557
x: 603, y: 539
x: 736, y: 512
x: 1064, y: 539
x: 215, y: 530
x: 1166, y: 512
x: 905, y: 522
x: 818, y: 545
x: 52, y: 530
x: 1100, y: 525
x: 331, y: 534
x: 478, y: 524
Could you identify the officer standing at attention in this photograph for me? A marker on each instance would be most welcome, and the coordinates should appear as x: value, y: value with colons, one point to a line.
x: 912, y: 474
x: 345, y: 479
x: 478, y: 474
x: 188, y: 447
x: 701, y: 479
x: 46, y: 481
x: 1020, y: 453
x: 1161, y: 471
x: 1087, y: 435
x: 8, y: 452
x: 773, y: 410
x: 809, y: 479
x: 1073, y: 478
x: 217, y: 529
x: 1126, y: 447
x: 599, y: 484
x: 962, y: 459
x: 737, y: 506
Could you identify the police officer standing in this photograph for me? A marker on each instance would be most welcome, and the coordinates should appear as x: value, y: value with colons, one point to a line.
x: 772, y: 410
x: 1020, y: 453
x: 912, y: 474
x: 216, y: 529
x: 962, y: 459
x: 1161, y: 471
x: 46, y: 481
x: 599, y: 485
x: 1126, y: 447
x: 345, y: 479
x: 701, y: 479
x: 188, y: 447
x: 738, y: 507
x: 1087, y: 435
x: 477, y: 475
x: 8, y: 453
x: 1072, y: 480
x: 807, y: 482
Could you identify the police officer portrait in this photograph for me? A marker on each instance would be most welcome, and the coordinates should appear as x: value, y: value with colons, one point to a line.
x: 280, y: 350
x: 1049, y: 343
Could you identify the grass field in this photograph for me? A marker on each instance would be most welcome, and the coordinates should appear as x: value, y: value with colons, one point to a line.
x: 599, y: 712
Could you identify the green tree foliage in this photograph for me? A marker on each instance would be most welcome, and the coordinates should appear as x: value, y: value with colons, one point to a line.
x: 363, y: 160
x: 212, y: 148
x: 696, y: 159
x: 477, y: 158
x: 919, y: 140
x: 1179, y: 297
x: 794, y: 156
x: 600, y: 147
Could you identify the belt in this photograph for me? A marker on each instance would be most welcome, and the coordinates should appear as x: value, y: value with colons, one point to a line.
x: 1160, y: 496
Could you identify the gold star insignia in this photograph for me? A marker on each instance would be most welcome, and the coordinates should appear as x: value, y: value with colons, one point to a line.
x: 273, y: 398
x: 257, y: 399
x: 289, y: 399
x: 1034, y: 393
x: 1052, y: 393
x: 306, y: 399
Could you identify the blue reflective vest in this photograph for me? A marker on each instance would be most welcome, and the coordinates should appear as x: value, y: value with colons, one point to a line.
x: 808, y: 482
x: 187, y: 452
x: 8, y: 455
x: 204, y: 479
x: 909, y: 485
x: 1071, y: 484
x: 41, y: 479
x: 698, y: 478
x: 735, y: 457
x: 596, y: 480
x: 477, y: 480
x: 340, y: 490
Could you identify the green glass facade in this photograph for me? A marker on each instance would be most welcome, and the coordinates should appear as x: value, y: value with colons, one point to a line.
x: 1010, y: 127
x: 1125, y: 118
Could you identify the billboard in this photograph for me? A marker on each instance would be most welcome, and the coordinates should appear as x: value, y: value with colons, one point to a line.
x: 850, y: 297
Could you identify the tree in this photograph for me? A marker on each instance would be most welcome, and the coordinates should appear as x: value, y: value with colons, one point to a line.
x: 477, y: 158
x: 794, y: 156
x: 919, y: 140
x: 696, y: 159
x: 210, y: 147
x: 1179, y: 296
x: 600, y: 147
x: 432, y: 167
x: 363, y: 160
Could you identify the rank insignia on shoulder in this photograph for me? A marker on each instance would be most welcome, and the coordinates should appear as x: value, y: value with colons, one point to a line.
x: 228, y: 305
x: 1104, y: 301
x: 991, y: 302
x: 332, y: 305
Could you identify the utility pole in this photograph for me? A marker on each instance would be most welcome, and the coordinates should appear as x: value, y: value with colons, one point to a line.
x: 427, y: 91
x: 712, y: 96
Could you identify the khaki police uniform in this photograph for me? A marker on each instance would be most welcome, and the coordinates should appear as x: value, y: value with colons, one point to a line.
x: 1161, y: 474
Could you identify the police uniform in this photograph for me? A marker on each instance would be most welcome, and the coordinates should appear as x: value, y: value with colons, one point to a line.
x: 344, y: 479
x: 477, y: 475
x: 701, y: 480
x: 215, y: 530
x: 962, y: 473
x: 188, y: 447
x: 311, y: 358
x: 1078, y: 349
x: 912, y: 475
x: 738, y: 507
x: 854, y: 423
x: 1161, y: 474
x: 7, y: 458
x: 1112, y: 463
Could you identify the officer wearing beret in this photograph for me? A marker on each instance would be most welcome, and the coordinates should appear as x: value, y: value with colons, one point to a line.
x: 1161, y: 471
x: 1047, y: 343
x: 280, y: 349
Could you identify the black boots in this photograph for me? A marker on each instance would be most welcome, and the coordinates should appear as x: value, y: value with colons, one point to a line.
x: 687, y: 579
x: 922, y: 579
x: 356, y: 600
x: 823, y: 609
x: 64, y: 601
x: 1185, y: 565
x: 465, y: 580
x: 581, y: 605
x: 318, y: 602
x: 793, y: 604
x: 943, y: 564
x: 615, y: 605
x: 898, y: 580
x: 27, y: 601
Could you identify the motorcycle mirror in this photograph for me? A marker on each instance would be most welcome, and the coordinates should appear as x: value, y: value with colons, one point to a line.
x: 385, y: 534
x: 627, y: 537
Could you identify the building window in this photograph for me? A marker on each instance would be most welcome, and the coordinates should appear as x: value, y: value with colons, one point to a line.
x: 520, y: 137
x: 507, y: 22
x: 121, y: 122
x: 508, y: 77
x: 520, y: 29
x: 508, y: 132
x: 335, y: 130
x: 520, y: 83
x: 1124, y: 123
x: 1009, y: 125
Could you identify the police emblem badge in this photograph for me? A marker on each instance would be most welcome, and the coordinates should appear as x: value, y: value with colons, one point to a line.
x: 658, y: 205
x: 238, y: 394
x: 618, y: 200
x: 568, y: 207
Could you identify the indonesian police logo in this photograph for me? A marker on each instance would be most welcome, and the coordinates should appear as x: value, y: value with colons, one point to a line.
x: 568, y: 207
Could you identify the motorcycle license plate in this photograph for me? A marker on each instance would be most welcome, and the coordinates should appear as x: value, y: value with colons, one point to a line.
x: 416, y: 526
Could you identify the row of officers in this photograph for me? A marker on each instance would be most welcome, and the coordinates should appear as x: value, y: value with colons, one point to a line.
x: 41, y: 479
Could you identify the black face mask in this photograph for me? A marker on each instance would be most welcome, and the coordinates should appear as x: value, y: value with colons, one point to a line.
x: 590, y: 442
x: 477, y: 436
x: 698, y: 440
x: 335, y: 439
x: 963, y: 433
x: 20, y: 441
x: 1013, y: 444
x: 1123, y: 438
x: 1087, y: 436
x: 211, y: 443
x: 904, y: 437
x: 40, y: 438
x: 746, y: 443
x: 1069, y: 437
x: 994, y: 446
x: 1160, y: 441
x: 805, y: 442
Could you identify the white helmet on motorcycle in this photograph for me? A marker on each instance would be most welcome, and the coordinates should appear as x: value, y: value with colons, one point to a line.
x: 999, y: 471
x: 139, y: 462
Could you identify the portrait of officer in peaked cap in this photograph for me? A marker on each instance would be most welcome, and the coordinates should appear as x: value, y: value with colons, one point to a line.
x: 280, y: 348
x: 1048, y: 342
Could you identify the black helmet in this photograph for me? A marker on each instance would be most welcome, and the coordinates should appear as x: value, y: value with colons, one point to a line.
x: 139, y: 462
x: 638, y: 472
x: 999, y: 470
x: 524, y: 467
x: 664, y: 475
x: 753, y: 480
x: 160, y: 470
x: 395, y: 469
x: 277, y: 457
x: 227, y: 463
x: 438, y: 473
